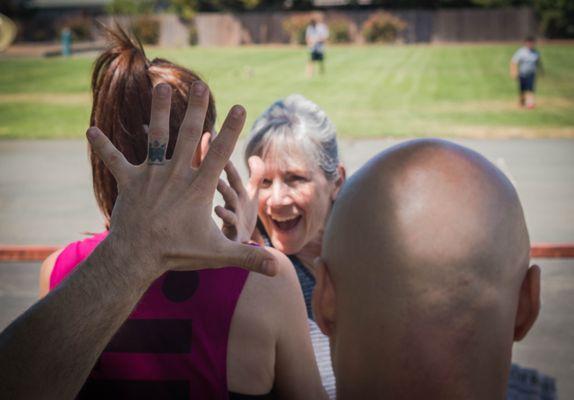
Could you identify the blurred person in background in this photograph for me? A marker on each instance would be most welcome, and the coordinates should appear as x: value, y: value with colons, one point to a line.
x: 316, y: 36
x: 524, y: 66
x: 202, y: 334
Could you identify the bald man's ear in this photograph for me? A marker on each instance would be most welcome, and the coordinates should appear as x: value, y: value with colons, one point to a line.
x: 201, y: 150
x: 528, y: 303
x: 340, y: 181
x: 324, y: 305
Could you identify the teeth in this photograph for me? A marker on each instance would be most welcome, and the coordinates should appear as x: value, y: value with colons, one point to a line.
x: 279, y: 219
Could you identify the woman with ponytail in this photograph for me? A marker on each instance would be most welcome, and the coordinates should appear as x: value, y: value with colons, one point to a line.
x: 208, y: 334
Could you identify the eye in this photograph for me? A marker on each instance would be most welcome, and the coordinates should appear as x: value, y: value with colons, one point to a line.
x: 265, y: 183
x: 296, y: 178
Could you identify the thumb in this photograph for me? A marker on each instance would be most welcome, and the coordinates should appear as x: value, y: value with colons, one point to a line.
x: 257, y: 170
x: 253, y: 258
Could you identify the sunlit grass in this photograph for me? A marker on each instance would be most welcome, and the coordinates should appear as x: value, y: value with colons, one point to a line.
x: 367, y: 91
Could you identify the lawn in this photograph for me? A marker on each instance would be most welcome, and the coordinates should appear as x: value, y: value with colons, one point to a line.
x: 453, y: 90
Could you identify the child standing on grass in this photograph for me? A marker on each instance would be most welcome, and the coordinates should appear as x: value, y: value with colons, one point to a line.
x: 524, y: 65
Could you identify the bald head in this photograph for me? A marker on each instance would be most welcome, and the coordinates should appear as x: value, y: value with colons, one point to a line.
x: 427, y: 250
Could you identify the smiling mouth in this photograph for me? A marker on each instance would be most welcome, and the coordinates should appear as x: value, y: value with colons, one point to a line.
x: 286, y: 225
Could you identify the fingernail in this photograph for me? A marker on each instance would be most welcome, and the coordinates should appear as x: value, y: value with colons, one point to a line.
x: 91, y: 133
x: 163, y: 89
x: 237, y: 111
x: 198, y: 88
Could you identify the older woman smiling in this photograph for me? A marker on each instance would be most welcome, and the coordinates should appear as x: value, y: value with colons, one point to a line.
x: 295, y: 175
x: 302, y: 175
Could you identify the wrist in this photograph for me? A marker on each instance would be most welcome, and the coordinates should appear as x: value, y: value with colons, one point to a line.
x: 131, y: 268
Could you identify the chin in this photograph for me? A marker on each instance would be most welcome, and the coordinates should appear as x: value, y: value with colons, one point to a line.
x: 286, y: 247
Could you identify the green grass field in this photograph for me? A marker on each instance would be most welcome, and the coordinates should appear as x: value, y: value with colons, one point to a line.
x: 368, y: 91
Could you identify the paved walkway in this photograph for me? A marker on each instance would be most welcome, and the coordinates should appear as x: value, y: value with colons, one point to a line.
x: 46, y: 198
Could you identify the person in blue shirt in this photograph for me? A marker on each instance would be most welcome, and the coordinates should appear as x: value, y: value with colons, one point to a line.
x: 524, y: 65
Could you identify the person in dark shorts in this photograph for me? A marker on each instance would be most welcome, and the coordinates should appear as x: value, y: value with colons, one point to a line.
x: 316, y: 35
x: 524, y: 66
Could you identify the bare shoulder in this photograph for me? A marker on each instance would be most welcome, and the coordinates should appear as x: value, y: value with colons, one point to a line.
x: 256, y: 327
x: 286, y: 276
x: 278, y: 290
x: 46, y: 271
x: 262, y: 295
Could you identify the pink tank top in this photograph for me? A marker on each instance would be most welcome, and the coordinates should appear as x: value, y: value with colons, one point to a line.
x: 174, y: 343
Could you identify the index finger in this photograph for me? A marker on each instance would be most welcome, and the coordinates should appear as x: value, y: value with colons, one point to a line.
x: 234, y: 178
x: 221, y: 149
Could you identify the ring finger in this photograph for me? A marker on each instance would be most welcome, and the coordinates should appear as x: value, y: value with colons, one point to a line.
x: 158, y: 134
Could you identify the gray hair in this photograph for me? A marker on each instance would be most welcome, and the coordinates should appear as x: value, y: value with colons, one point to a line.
x: 298, y: 122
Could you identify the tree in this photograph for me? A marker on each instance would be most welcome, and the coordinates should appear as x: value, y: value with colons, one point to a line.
x: 556, y: 18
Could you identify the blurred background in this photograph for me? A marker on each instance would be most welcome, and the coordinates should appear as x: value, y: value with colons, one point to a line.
x: 394, y: 69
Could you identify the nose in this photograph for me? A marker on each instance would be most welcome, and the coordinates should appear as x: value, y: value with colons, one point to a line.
x: 280, y: 195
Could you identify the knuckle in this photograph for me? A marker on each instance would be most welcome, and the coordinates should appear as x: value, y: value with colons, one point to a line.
x: 218, y: 151
x: 250, y: 258
x: 156, y: 132
x: 113, y: 160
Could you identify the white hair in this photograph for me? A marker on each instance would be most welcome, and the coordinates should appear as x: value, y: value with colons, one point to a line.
x: 298, y: 123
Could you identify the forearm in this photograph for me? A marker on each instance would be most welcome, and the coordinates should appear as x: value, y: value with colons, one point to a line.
x: 49, y: 351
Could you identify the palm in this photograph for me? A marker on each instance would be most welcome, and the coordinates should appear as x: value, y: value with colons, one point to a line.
x: 163, y: 210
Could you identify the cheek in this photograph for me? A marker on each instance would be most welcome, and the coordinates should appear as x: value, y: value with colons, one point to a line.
x: 316, y: 202
x: 262, y: 203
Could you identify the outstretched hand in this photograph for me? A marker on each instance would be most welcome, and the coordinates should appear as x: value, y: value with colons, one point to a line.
x: 162, y: 214
x: 239, y: 215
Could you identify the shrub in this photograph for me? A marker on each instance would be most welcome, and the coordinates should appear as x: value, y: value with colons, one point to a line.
x: 556, y: 18
x: 383, y: 27
x: 295, y: 26
x: 146, y: 29
x: 339, y: 30
x: 193, y: 39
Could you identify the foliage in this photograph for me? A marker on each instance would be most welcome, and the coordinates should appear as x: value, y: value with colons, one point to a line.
x: 295, y: 25
x: 382, y: 27
x: 245, y: 5
x: 130, y: 7
x: 80, y: 26
x: 193, y: 38
x: 185, y: 9
x: 15, y: 8
x: 339, y: 29
x: 146, y: 29
x: 556, y: 18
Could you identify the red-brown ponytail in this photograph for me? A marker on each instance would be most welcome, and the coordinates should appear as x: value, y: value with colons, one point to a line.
x: 122, y: 83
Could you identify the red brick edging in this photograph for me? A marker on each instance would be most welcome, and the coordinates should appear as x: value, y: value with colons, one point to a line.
x: 39, y: 253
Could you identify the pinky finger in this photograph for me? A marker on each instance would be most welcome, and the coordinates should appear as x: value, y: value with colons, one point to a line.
x: 107, y: 152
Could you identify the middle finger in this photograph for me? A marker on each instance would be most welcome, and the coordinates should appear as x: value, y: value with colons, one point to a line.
x: 192, y: 126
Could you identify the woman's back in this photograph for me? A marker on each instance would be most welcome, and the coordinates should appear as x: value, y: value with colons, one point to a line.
x: 205, y: 334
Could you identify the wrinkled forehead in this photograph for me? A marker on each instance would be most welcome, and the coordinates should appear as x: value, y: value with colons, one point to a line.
x: 281, y: 154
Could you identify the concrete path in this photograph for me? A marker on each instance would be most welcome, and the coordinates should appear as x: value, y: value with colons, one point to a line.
x: 46, y: 198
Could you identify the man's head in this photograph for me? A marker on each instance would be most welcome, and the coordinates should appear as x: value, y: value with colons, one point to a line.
x: 530, y: 42
x: 423, y: 282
